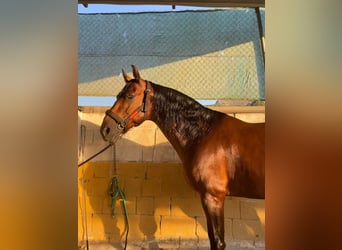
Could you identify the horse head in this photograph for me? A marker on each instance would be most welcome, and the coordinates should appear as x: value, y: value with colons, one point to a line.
x: 130, y: 108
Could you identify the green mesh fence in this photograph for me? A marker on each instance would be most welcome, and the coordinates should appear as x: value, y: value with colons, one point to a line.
x: 205, y: 54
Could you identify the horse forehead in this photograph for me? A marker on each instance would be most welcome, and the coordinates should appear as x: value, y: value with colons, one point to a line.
x: 131, y: 86
x: 124, y: 89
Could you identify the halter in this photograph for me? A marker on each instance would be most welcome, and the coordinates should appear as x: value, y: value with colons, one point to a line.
x: 122, y: 123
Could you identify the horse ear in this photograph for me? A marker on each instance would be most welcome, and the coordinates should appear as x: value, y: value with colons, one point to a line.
x: 126, y: 77
x: 135, y: 72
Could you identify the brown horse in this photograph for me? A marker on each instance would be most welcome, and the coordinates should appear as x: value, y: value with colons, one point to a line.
x: 221, y: 154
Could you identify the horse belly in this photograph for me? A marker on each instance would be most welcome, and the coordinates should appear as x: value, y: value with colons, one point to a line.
x: 247, y: 181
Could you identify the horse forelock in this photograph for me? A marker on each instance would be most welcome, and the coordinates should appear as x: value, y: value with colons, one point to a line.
x: 124, y: 90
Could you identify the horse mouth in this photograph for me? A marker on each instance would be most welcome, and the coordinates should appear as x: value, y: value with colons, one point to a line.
x: 109, y: 134
x: 114, y: 138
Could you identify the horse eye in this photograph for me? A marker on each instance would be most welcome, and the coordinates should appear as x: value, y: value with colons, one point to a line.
x: 129, y: 97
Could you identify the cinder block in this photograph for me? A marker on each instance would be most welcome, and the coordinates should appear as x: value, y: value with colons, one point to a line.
x: 116, y: 151
x: 84, y: 220
x: 97, y: 137
x: 110, y: 224
x: 132, y: 187
x: 98, y: 186
x: 176, y: 158
x: 131, y: 170
x: 148, y: 125
x: 163, y: 150
x: 201, y: 228
x: 228, y: 229
x: 175, y: 227
x: 149, y: 226
x: 253, y: 209
x: 102, y: 170
x: 107, y: 205
x: 188, y: 244
x: 86, y: 171
x: 92, y: 119
x: 175, y: 184
x: 94, y: 204
x: 162, y: 206
x: 143, y: 136
x: 97, y: 224
x: 118, y: 227
x: 164, y: 153
x: 97, y: 236
x: 251, y: 117
x: 94, y: 148
x: 190, y: 207
x: 153, y: 171
x: 145, y: 205
x: 232, y: 207
x: 162, y: 170
x: 88, y: 136
x: 131, y: 205
x: 171, y: 244
x: 128, y: 150
x: 146, y: 137
x: 160, y: 137
x: 151, y: 187
x: 84, y: 186
x: 203, y: 244
x: 80, y: 115
x: 147, y: 153
x: 248, y: 230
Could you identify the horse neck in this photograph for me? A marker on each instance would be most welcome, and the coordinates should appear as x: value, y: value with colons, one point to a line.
x: 182, y: 120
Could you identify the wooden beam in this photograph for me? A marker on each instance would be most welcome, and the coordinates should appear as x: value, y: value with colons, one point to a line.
x: 261, y: 34
x: 198, y: 3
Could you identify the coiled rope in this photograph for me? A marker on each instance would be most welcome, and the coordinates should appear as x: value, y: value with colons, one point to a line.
x: 114, y: 191
x: 117, y: 193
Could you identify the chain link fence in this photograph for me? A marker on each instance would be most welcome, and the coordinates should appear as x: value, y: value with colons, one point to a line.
x: 214, y: 54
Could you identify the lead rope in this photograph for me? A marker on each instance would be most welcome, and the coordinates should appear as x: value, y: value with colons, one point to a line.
x: 93, y: 156
x: 116, y: 192
x: 83, y: 209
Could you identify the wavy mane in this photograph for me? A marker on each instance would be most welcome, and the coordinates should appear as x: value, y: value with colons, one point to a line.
x: 175, y: 112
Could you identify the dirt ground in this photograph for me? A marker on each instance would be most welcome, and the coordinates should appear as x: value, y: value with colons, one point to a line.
x: 172, y: 245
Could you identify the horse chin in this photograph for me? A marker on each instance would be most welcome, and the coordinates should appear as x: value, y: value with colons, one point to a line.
x: 115, y: 138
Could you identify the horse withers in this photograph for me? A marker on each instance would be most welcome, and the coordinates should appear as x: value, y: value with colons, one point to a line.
x: 221, y: 155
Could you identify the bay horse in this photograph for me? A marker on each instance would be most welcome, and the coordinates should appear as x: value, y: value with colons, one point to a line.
x: 222, y: 155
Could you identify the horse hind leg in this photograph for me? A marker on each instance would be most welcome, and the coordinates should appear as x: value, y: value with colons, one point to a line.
x: 214, y: 211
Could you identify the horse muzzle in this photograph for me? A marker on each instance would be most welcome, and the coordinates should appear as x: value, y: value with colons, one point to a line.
x: 112, y: 133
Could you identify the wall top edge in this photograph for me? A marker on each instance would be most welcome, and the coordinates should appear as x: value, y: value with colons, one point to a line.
x: 224, y: 109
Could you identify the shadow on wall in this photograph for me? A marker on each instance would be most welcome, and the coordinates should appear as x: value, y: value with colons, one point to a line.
x: 163, y: 210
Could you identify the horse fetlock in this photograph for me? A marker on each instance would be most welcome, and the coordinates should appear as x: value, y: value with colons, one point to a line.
x: 221, y: 245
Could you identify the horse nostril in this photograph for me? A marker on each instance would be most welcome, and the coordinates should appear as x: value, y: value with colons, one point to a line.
x: 107, y: 130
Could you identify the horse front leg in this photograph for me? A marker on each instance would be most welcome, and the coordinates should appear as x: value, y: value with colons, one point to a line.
x: 213, y: 207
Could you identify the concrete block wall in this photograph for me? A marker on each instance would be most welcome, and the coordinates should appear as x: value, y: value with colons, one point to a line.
x: 163, y: 210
